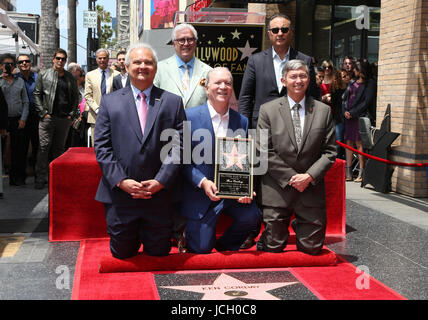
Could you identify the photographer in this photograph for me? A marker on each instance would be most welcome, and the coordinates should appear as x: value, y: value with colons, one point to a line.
x: 16, y: 96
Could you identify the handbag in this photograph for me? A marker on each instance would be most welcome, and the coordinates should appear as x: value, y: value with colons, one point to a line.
x: 76, y: 123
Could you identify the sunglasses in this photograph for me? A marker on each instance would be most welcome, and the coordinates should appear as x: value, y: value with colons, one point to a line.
x: 276, y: 30
x: 328, y: 67
x: 60, y: 58
x: 22, y: 61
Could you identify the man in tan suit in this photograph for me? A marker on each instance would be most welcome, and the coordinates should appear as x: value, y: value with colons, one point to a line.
x: 97, y: 83
x: 300, y: 149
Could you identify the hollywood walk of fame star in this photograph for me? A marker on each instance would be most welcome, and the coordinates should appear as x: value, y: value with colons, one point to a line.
x: 226, y: 287
x: 247, y: 50
x: 235, y: 34
x: 234, y: 158
x: 221, y: 39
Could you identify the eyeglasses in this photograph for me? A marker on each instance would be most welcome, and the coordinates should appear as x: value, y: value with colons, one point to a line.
x: 276, y: 30
x: 22, y: 61
x: 60, y: 58
x: 328, y: 67
x: 182, y: 41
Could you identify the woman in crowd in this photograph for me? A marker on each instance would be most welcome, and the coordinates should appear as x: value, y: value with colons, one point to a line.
x: 357, y: 99
x: 327, y: 81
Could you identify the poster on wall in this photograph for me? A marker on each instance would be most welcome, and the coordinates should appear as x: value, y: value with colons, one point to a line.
x: 162, y: 13
x: 229, y: 45
x: 198, y: 5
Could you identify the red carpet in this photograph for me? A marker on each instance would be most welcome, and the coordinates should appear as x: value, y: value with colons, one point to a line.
x: 329, y: 283
x: 75, y: 215
x: 217, y: 260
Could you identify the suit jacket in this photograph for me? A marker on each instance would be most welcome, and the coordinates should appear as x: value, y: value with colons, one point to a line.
x: 117, y: 82
x: 259, y: 83
x: 195, y: 202
x: 363, y: 101
x: 123, y: 152
x: 316, y: 154
x: 168, y: 78
x: 93, y: 91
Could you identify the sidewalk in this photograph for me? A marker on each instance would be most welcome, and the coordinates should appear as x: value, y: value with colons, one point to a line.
x: 387, y: 233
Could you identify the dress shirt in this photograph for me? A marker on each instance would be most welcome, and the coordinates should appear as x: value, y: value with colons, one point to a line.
x: 220, y: 124
x: 278, y: 64
x: 181, y: 64
x: 136, y: 93
x: 291, y: 102
x: 124, y: 78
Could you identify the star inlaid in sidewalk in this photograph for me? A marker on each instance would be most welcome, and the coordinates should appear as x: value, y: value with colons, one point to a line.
x: 226, y: 287
x: 234, y: 158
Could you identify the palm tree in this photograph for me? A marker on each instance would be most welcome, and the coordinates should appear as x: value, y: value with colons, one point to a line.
x: 72, y: 40
x: 49, y: 31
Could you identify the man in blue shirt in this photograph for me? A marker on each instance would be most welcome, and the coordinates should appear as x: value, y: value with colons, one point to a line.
x: 32, y: 125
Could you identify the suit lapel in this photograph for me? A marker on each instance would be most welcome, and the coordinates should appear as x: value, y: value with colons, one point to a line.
x: 285, y: 112
x: 175, y: 74
x: 309, y: 117
x: 153, y: 110
x: 132, y: 113
x: 270, y: 70
x: 195, y: 79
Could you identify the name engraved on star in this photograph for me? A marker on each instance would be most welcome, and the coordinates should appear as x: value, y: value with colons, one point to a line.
x: 234, y: 167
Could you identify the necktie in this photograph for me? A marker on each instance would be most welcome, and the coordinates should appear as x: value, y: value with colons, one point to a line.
x: 103, y: 83
x: 296, y: 124
x: 185, y: 80
x: 142, y: 111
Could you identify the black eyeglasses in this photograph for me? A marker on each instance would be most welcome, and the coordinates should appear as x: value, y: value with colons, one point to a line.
x: 276, y: 30
x: 22, y: 61
x: 60, y: 58
x: 182, y: 41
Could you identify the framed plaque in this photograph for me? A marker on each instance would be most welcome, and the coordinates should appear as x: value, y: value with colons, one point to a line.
x: 234, y: 167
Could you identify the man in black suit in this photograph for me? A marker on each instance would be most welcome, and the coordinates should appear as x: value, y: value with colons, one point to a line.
x: 121, y: 80
x: 262, y: 78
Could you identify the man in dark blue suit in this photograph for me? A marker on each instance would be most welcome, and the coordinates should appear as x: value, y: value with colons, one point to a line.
x: 200, y: 204
x: 138, y: 177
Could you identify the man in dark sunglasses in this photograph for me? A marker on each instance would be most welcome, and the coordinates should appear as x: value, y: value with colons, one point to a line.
x: 56, y: 98
x: 262, y: 78
x: 32, y: 125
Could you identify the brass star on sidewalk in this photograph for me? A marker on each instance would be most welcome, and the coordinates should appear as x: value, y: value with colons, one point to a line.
x: 226, y: 287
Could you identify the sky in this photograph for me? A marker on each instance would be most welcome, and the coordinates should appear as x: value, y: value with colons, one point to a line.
x: 26, y: 6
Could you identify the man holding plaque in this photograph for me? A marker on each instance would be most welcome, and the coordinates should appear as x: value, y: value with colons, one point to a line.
x: 300, y: 149
x: 200, y: 203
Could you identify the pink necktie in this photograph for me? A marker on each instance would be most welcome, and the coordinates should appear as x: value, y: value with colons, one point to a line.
x: 142, y: 111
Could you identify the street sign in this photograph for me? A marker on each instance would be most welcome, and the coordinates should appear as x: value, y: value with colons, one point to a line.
x: 89, y: 19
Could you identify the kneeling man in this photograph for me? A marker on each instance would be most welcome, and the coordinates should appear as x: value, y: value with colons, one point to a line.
x: 200, y: 205
x: 300, y: 149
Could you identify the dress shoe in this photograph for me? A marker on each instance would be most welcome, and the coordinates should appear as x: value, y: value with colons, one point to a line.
x: 248, y: 243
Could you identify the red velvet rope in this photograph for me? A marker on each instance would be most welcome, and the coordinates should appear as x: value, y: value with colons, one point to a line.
x: 404, y: 164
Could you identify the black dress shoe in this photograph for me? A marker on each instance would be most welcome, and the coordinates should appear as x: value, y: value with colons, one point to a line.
x: 39, y: 185
x: 248, y: 243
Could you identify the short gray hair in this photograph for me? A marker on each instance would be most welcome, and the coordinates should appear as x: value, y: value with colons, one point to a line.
x: 215, y: 69
x: 294, y: 65
x: 140, y: 45
x: 102, y: 50
x: 183, y: 26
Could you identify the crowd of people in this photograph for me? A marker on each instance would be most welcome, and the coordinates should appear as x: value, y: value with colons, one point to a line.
x: 123, y: 110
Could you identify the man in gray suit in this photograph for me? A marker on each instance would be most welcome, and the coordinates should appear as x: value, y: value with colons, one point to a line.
x: 300, y: 149
x: 172, y: 74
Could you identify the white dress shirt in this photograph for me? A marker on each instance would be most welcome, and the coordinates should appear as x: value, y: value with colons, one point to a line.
x: 220, y: 124
x: 278, y: 64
